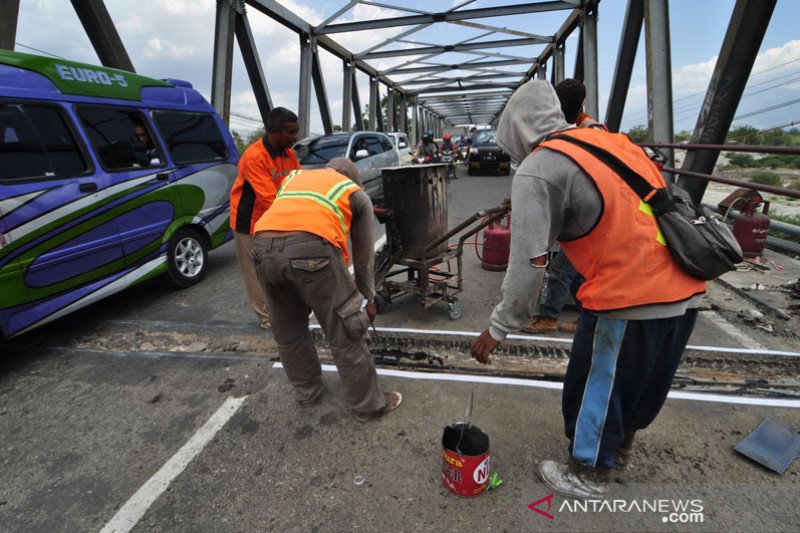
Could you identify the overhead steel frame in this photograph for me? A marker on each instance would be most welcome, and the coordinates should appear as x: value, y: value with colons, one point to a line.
x: 659, y: 74
x: 9, y: 13
x: 103, y: 35
x: 743, y: 38
x: 626, y: 56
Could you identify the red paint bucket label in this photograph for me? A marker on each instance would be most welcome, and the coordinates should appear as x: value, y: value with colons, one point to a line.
x: 465, y: 474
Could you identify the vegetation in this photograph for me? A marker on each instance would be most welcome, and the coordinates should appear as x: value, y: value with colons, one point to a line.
x: 766, y: 178
x: 794, y: 220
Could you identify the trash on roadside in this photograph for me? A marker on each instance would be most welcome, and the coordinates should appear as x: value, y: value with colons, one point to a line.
x: 772, y: 444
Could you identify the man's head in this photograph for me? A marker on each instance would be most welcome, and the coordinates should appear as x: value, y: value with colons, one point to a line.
x: 571, y: 93
x: 447, y: 137
x: 428, y: 136
x: 532, y: 113
x: 282, y: 128
x: 344, y: 166
x: 141, y: 134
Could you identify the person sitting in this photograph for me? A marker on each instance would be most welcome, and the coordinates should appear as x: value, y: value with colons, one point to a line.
x: 146, y: 152
x: 427, y: 148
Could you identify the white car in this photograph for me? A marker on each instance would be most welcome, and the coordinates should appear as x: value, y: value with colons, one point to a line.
x: 371, y: 151
x: 401, y: 146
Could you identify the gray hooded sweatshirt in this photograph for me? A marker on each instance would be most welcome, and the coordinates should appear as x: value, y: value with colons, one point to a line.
x: 551, y: 199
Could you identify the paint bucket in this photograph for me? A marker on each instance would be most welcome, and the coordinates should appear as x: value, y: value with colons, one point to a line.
x: 465, y: 460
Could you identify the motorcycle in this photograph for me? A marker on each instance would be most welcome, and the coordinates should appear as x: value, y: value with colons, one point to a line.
x: 447, y: 158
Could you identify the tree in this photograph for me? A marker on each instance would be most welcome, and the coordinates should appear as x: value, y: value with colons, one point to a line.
x: 639, y: 134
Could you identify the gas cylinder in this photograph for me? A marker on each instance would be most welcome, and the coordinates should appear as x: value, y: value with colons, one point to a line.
x: 750, y: 228
x: 497, y: 245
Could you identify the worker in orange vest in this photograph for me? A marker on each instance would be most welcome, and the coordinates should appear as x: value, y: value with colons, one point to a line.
x: 563, y: 280
x: 638, y: 306
x: 262, y: 169
x: 301, y: 258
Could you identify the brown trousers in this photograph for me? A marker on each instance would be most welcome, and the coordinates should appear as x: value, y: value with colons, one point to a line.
x: 255, y: 292
x: 302, y: 273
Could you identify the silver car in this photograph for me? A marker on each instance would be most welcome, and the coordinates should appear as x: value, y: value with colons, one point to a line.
x: 371, y: 151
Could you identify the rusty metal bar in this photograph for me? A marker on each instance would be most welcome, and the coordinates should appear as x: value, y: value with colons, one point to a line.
x: 501, y: 210
x: 737, y: 183
x: 728, y: 148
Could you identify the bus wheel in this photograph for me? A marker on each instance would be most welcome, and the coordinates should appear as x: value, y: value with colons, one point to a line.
x: 187, y: 257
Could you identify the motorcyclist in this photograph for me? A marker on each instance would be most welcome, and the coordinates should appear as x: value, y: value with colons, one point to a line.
x: 447, y: 144
x: 427, y: 148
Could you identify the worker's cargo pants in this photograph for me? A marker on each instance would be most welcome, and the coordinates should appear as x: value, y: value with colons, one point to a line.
x: 300, y: 273
x: 617, y: 380
x: 255, y: 292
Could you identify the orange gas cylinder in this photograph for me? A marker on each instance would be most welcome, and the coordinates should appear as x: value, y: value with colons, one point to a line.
x: 750, y: 228
x: 497, y: 245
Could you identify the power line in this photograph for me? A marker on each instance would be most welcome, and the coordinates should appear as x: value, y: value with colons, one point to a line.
x: 37, y: 50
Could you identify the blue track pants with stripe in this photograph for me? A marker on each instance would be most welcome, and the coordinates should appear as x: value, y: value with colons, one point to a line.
x: 618, y: 377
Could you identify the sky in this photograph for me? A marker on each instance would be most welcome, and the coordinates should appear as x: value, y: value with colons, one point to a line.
x: 174, y: 39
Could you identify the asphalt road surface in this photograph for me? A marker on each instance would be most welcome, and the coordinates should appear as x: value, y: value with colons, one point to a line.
x: 158, y: 410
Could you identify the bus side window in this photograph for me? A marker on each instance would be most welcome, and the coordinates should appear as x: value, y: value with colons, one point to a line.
x: 121, y: 138
x: 191, y: 137
x: 35, y: 142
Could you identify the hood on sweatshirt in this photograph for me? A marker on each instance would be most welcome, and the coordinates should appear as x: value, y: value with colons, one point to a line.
x: 532, y: 113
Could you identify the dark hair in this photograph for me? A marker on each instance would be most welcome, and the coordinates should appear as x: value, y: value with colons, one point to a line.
x: 571, y: 93
x: 279, y: 117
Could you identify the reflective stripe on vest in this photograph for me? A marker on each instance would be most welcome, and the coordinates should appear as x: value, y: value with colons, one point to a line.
x: 327, y: 200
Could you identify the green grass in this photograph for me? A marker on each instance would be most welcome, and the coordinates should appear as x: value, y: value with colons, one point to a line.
x: 787, y: 219
x: 766, y: 178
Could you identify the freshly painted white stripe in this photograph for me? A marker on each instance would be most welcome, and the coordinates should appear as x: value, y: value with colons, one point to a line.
x: 467, y: 378
x: 732, y: 330
x: 133, y: 510
x: 102, y: 292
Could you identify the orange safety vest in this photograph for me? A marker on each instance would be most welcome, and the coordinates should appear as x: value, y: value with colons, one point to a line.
x: 260, y: 176
x: 314, y: 201
x: 624, y: 257
x: 585, y: 121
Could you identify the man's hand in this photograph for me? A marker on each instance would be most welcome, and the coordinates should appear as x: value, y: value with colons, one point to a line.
x: 483, y: 346
x: 372, y: 311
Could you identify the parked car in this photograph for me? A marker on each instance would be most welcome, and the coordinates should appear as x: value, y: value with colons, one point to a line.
x: 484, y: 154
x: 401, y: 146
x: 107, y: 178
x: 371, y: 151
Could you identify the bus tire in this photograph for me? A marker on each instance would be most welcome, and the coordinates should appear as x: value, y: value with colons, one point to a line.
x: 187, y: 257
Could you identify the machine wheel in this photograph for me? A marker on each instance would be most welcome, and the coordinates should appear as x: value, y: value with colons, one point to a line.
x: 455, y: 310
x: 380, y: 303
x: 187, y: 257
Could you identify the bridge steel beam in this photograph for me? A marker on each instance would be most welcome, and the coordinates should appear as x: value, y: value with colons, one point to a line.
x: 103, y: 35
x: 9, y: 13
x: 590, y: 59
x: 448, y: 16
x: 626, y: 57
x: 304, y: 88
x: 252, y: 64
x: 222, y: 70
x: 743, y: 38
x: 659, y: 74
x: 347, y: 93
x: 321, y: 93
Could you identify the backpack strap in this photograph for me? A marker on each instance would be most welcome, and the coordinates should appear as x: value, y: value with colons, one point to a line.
x: 640, y: 186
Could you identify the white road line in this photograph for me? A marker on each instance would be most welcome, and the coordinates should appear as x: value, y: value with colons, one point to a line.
x: 732, y: 330
x: 133, y: 510
x: 468, y: 378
